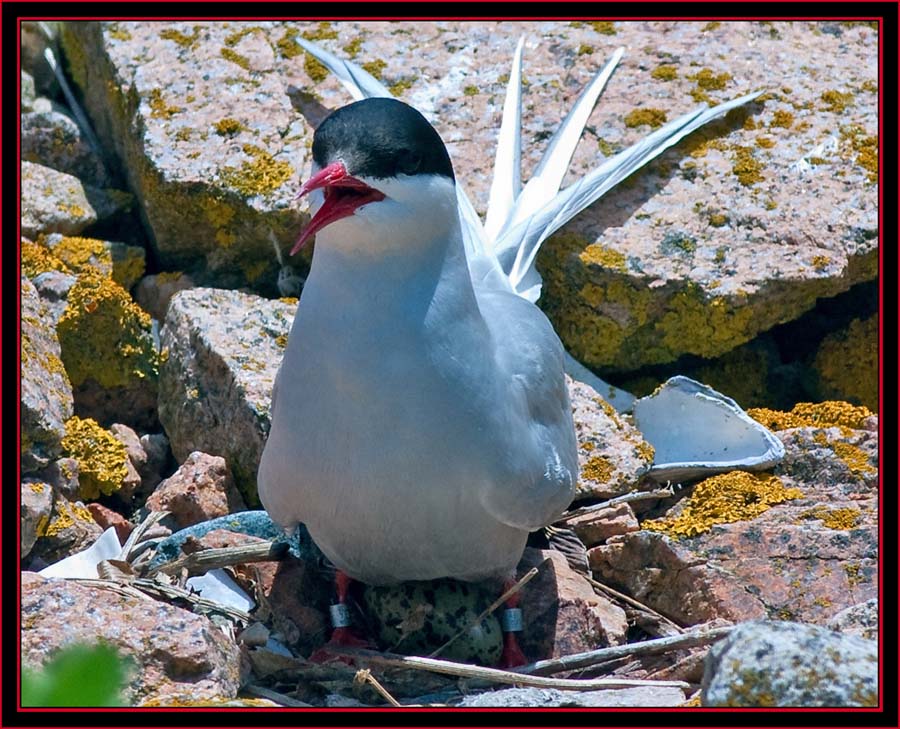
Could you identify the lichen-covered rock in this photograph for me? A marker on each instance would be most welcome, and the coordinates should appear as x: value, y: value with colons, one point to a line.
x: 107, y: 345
x: 846, y: 363
x: 224, y: 348
x: 37, y: 503
x: 69, y: 529
x: 612, y: 455
x: 46, y: 392
x: 53, y: 202
x: 739, y: 554
x: 36, y: 37
x: 860, y: 620
x: 154, y: 292
x: 202, y: 488
x: 123, y: 263
x: 537, y: 698
x: 53, y: 139
x: 596, y: 527
x: 28, y: 95
x: 101, y: 457
x: 180, y: 656
x: 770, y: 663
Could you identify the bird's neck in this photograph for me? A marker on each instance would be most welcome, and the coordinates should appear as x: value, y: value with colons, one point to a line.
x: 400, y: 286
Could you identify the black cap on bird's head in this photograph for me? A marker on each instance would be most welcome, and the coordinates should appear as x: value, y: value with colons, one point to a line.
x: 376, y: 139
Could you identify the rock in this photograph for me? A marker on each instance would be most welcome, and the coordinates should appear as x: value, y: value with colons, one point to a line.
x: 53, y: 202
x: 109, y: 352
x: 860, y: 620
x: 806, y: 558
x: 62, y: 475
x: 54, y: 140
x: 102, y: 460
x: 770, y: 663
x: 107, y: 518
x: 159, y: 458
x: 201, y: 489
x: 37, y: 503
x: 46, y: 394
x: 546, y: 698
x: 180, y: 656
x: 27, y: 96
x: 137, y: 459
x: 611, y: 452
x: 70, y: 529
x: 596, y: 528
x: 846, y: 364
x: 561, y: 613
x: 215, y: 387
x: 123, y: 263
x: 35, y: 39
x: 54, y: 287
x: 154, y: 292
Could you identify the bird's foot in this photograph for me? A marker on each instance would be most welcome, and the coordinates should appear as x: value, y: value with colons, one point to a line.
x: 512, y: 655
x: 340, y: 638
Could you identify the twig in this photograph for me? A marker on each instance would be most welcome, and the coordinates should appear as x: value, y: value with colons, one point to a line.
x: 139, y: 531
x: 591, y: 658
x: 266, y: 693
x: 634, y: 603
x: 171, y: 592
x: 214, y: 558
x: 466, y: 670
x: 364, y: 675
x: 635, y: 496
x: 494, y: 605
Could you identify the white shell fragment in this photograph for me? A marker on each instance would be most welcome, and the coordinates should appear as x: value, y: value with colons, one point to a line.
x: 697, y: 432
x: 83, y: 565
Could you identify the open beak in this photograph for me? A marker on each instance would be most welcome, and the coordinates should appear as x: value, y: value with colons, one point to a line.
x: 343, y: 195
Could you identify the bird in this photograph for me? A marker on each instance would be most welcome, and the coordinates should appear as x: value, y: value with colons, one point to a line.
x: 421, y: 424
x: 420, y: 419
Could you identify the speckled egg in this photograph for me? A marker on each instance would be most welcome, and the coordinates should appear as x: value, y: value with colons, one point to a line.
x: 415, y: 618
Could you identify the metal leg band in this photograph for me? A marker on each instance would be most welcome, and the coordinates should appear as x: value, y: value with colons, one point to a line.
x: 340, y: 615
x: 511, y: 620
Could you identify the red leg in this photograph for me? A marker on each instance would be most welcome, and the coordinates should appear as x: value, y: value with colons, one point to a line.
x: 342, y: 636
x: 512, y: 655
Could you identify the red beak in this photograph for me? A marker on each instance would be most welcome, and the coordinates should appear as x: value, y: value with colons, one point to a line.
x: 343, y: 195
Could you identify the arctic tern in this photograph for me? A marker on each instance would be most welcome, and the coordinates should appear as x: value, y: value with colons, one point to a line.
x: 421, y: 424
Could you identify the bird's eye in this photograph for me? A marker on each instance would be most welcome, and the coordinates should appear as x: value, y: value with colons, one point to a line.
x: 409, y: 161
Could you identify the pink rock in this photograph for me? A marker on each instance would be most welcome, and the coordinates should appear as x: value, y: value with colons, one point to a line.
x: 561, y: 612
x: 180, y: 656
x: 107, y: 518
x: 596, y: 528
x: 201, y: 489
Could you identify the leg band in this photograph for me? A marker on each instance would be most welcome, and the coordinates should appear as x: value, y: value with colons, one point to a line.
x: 511, y: 620
x: 340, y: 615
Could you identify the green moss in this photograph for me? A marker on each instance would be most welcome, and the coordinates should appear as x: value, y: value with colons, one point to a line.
x: 230, y: 55
x: 228, y: 127
x: 259, y: 175
x: 665, y: 72
x: 314, y: 69
x: 101, y: 458
x: 104, y: 335
x: 399, y: 87
x: 836, y: 101
x: 159, y: 109
x: 470, y: 90
x: 645, y: 116
x: 585, y: 50
x: 730, y: 497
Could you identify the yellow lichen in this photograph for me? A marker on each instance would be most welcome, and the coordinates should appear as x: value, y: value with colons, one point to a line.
x: 746, y: 167
x: 376, y: 67
x: 712, y: 25
x: 316, y: 71
x: 598, y: 468
x: 645, y: 451
x: 730, y: 497
x: 399, y: 87
x: 781, y: 118
x: 853, y: 574
x: 104, y: 335
x: 353, y: 48
x: 708, y: 80
x: 820, y: 263
x: 606, y: 27
x: 125, y: 264
x: 260, y: 175
x: 228, y: 127
x: 856, y: 459
x: 587, y: 446
x: 281, y: 340
x: 645, y: 116
x: 717, y: 220
x: 600, y: 255
x: 101, y: 458
x: 288, y: 46
x: 765, y: 142
x: 831, y: 413
x: 836, y: 101
x: 323, y: 31
x: 159, y: 109
x: 182, y: 39
x: 665, y: 72
x: 846, y: 518
x: 37, y: 259
x: 230, y: 55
